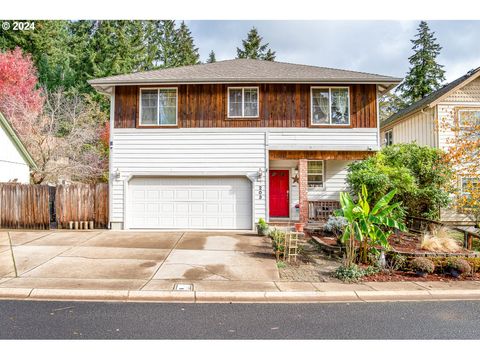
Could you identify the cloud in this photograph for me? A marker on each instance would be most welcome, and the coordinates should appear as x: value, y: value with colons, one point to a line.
x: 381, y: 47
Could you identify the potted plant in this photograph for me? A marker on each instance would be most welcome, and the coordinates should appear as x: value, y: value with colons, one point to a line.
x: 299, y: 227
x: 262, y: 227
x: 423, y: 266
x: 458, y: 267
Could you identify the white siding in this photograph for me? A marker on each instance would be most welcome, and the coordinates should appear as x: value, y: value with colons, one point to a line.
x: 323, y: 139
x: 12, y: 164
x: 335, y: 181
x: 177, y: 152
x: 419, y: 128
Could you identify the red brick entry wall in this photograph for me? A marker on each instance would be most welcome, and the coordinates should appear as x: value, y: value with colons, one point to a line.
x: 303, y: 189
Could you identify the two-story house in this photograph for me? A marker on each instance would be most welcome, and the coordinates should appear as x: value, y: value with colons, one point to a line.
x: 431, y: 120
x: 218, y: 146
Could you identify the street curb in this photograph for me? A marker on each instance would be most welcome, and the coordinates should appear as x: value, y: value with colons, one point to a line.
x: 236, y: 297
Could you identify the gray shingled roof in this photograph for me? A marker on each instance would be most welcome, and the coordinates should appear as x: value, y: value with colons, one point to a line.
x: 245, y: 70
x: 427, y: 100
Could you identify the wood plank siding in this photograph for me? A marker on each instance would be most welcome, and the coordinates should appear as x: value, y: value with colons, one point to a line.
x: 280, y: 105
x: 319, y: 155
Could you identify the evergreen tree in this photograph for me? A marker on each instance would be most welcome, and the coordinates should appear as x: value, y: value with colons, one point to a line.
x: 48, y: 45
x: 424, y: 75
x: 211, y: 57
x: 389, y: 104
x: 253, y: 48
x: 187, y: 53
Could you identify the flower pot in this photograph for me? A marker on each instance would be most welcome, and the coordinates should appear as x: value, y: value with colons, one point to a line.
x: 299, y: 227
x: 262, y: 231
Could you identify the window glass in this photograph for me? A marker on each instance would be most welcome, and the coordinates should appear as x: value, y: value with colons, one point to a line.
x: 469, y: 118
x: 469, y: 184
x: 315, y: 174
x: 167, y: 106
x: 250, y: 102
x: 389, y: 138
x: 320, y: 106
x: 235, y: 102
x: 340, y: 106
x: 149, y: 101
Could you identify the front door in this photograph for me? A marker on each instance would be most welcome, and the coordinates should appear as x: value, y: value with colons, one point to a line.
x: 278, y: 200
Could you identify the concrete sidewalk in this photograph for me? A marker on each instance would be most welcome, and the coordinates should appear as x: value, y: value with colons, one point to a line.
x: 251, y: 292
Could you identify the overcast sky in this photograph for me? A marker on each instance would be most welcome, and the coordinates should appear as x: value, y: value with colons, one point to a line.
x: 381, y: 47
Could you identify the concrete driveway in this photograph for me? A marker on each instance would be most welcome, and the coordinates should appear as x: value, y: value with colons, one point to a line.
x: 134, y: 260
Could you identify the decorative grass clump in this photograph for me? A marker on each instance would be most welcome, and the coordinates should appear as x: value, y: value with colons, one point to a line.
x: 439, y: 241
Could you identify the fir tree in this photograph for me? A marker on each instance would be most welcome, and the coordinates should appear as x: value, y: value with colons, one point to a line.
x: 211, y: 57
x: 187, y: 53
x: 425, y: 74
x: 253, y: 48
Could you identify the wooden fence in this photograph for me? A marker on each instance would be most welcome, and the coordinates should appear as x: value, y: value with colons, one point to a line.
x: 24, y: 206
x: 44, y: 207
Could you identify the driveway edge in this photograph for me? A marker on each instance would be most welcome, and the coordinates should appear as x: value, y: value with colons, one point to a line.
x: 236, y: 297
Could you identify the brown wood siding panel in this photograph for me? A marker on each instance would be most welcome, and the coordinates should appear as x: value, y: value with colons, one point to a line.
x: 126, y: 106
x: 318, y: 155
x: 280, y: 105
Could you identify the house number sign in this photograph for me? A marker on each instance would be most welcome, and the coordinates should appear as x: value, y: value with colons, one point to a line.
x: 260, y: 192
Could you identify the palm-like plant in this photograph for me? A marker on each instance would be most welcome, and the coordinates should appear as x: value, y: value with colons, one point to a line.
x: 367, y: 225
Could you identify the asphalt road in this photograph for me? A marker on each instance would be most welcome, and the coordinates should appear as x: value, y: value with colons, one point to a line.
x: 89, y: 320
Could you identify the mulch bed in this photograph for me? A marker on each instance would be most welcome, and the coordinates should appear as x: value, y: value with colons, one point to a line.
x: 411, y: 243
x: 398, y: 276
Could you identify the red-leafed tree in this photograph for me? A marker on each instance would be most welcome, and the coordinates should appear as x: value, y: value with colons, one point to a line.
x: 20, y: 97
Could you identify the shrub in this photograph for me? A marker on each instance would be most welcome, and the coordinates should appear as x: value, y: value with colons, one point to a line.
x: 281, y: 265
x: 335, y: 225
x: 439, y: 240
x: 394, y: 261
x: 418, y: 174
x: 460, y: 265
x: 278, y: 239
x: 353, y: 273
x: 423, y: 265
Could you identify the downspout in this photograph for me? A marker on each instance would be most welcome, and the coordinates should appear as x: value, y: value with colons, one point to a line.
x: 110, y: 165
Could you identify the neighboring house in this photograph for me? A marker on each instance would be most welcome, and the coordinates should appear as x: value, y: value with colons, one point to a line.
x: 218, y: 146
x: 424, y: 121
x: 15, y: 161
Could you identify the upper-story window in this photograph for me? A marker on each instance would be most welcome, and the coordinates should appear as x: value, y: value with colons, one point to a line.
x: 470, y: 184
x: 158, y: 107
x: 388, y: 137
x: 330, y: 106
x: 242, y: 102
x: 469, y: 120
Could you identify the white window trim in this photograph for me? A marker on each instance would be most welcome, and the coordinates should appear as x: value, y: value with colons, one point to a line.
x: 329, y: 104
x: 465, y: 109
x: 463, y: 193
x: 317, y: 188
x: 158, y: 107
x: 243, y: 102
x: 385, y: 137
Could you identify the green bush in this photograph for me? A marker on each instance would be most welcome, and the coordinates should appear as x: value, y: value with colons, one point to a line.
x: 460, y: 265
x: 423, y: 265
x: 354, y: 272
x: 278, y: 239
x: 417, y: 173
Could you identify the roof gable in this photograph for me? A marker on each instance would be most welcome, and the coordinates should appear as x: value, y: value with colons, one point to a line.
x: 5, y: 125
x: 434, y: 98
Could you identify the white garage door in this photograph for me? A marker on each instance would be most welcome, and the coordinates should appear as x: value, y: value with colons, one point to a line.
x: 190, y: 203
